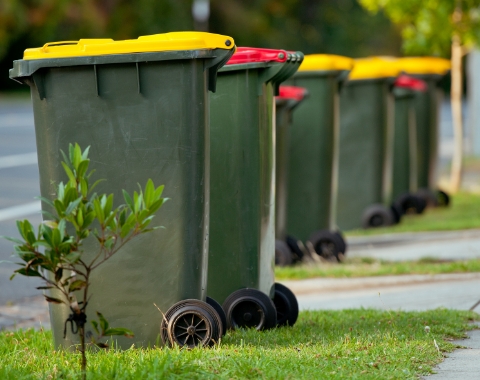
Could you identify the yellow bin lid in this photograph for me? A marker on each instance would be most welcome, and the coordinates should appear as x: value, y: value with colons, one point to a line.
x: 146, y: 44
x: 374, y: 68
x: 424, y: 65
x: 325, y: 62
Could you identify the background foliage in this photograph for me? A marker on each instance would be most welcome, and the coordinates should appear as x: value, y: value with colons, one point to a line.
x: 326, y: 26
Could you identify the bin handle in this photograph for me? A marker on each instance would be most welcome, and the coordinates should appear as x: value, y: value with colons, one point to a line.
x: 59, y: 43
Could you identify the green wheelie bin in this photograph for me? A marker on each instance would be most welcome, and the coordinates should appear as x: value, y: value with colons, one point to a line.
x: 404, y: 185
x: 366, y: 146
x: 142, y: 107
x: 432, y: 70
x: 242, y: 186
x: 287, y: 250
x: 313, y: 157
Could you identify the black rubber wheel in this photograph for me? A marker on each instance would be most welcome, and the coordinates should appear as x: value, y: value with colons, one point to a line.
x: 343, y: 244
x: 327, y: 244
x: 286, y: 305
x: 250, y: 308
x: 220, y: 312
x: 283, y: 255
x: 411, y: 203
x: 397, y: 212
x: 295, y: 248
x: 377, y: 215
x: 428, y: 196
x: 191, y: 323
x: 443, y: 199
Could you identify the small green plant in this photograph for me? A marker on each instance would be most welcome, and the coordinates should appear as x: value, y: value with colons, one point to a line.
x: 54, y: 252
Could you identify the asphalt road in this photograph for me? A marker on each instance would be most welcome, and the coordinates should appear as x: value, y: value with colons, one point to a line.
x: 19, y: 185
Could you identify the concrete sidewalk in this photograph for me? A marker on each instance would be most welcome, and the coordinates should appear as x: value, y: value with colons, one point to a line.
x: 408, y: 292
x: 446, y: 245
x: 463, y: 363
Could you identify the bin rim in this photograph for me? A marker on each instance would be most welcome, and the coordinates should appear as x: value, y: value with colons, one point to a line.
x: 244, y: 55
x: 326, y: 62
x: 424, y: 65
x: 374, y: 68
x: 173, y: 41
x: 292, y: 92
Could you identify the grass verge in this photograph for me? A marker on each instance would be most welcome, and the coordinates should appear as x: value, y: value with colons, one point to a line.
x: 353, y: 344
x: 462, y: 214
x: 364, y: 267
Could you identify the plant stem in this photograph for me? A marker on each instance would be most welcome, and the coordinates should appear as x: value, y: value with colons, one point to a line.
x: 81, y: 331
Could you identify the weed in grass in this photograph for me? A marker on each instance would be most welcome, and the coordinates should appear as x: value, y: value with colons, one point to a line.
x: 353, y: 344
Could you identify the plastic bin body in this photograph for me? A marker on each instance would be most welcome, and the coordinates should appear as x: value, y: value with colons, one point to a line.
x: 427, y: 109
x: 405, y: 146
x: 313, y: 155
x: 405, y: 162
x: 366, y: 148
x: 242, y: 223
x: 290, y: 97
x: 145, y: 115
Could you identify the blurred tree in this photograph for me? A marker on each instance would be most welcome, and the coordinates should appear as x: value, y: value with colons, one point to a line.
x: 437, y: 27
x: 312, y: 26
x: 328, y: 26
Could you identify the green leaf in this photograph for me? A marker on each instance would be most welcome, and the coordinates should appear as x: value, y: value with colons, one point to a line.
x: 53, y: 300
x: 59, y: 207
x: 65, y: 158
x: 69, y: 172
x: 85, y: 153
x: 159, y: 191
x: 103, y: 322
x: 13, y: 240
x: 72, y: 206
x: 95, y: 184
x: 28, y: 272
x: 77, y: 285
x: 128, y: 199
x: 98, y: 211
x: 82, y: 168
x: 73, y: 257
x: 95, y: 326
x: 119, y: 331
x: 45, y: 200
x: 77, y: 156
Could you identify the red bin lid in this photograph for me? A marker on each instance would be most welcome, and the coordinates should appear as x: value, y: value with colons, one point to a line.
x: 406, y: 81
x: 292, y: 92
x: 251, y: 55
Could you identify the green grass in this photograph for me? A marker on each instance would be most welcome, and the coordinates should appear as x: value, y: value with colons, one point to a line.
x: 463, y: 213
x: 363, y: 267
x: 353, y: 344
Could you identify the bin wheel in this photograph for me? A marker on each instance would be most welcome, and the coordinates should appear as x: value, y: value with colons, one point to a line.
x: 191, y: 323
x: 410, y: 203
x: 343, y: 244
x: 428, y: 196
x: 377, y: 215
x: 443, y: 199
x: 295, y: 248
x: 283, y: 255
x: 327, y: 244
x: 220, y: 312
x: 286, y: 305
x: 250, y: 308
x: 397, y: 212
